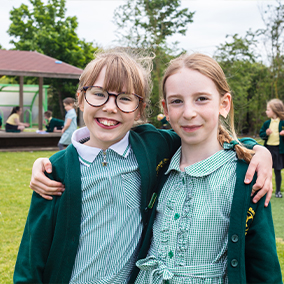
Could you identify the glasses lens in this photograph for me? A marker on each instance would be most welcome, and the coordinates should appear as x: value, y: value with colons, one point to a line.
x: 127, y: 102
x: 96, y: 96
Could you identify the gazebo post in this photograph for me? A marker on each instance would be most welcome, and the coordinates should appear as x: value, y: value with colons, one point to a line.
x: 21, y: 97
x: 40, y: 99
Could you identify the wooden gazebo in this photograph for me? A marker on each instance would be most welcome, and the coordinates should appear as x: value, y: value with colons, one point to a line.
x: 34, y: 64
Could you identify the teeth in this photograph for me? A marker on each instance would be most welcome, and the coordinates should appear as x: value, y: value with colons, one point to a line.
x: 107, y: 122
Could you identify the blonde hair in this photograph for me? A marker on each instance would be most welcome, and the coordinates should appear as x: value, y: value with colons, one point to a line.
x: 124, y: 69
x: 211, y: 69
x: 277, y: 107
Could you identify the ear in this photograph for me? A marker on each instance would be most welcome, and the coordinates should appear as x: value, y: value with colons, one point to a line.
x: 225, y: 105
x: 165, y: 110
x: 139, y: 112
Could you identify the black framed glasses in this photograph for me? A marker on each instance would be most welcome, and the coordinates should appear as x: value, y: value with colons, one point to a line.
x: 97, y: 96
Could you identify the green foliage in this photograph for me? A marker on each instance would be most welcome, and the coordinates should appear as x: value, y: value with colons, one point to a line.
x: 148, y: 24
x: 273, y: 18
x: 248, y: 79
x: 45, y: 29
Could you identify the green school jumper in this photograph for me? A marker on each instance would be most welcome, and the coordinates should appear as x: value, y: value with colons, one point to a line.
x: 54, y: 122
x: 51, y: 236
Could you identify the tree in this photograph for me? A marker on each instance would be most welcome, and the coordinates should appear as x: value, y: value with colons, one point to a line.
x: 273, y: 18
x: 45, y: 29
x: 148, y: 24
x: 249, y: 80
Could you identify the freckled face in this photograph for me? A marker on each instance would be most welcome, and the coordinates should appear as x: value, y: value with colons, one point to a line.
x: 192, y: 106
x: 107, y: 124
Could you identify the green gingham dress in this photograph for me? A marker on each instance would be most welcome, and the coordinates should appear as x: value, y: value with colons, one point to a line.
x: 190, y: 233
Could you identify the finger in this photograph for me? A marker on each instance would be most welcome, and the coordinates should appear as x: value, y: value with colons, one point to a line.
x: 264, y: 190
x: 268, y: 196
x: 47, y: 197
x: 47, y: 166
x: 42, y: 190
x: 250, y: 171
x: 43, y: 185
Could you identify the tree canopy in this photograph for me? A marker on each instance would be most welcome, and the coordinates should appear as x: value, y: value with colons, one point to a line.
x: 45, y: 28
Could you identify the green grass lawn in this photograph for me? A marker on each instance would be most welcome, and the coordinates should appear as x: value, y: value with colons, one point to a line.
x: 15, y: 173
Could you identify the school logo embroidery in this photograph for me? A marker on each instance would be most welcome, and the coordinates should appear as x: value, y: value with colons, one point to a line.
x: 161, y: 164
x: 250, y: 216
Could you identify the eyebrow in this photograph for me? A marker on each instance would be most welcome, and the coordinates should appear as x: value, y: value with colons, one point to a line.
x: 195, y: 94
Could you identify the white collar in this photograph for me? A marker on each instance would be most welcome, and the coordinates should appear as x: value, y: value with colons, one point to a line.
x: 88, y: 154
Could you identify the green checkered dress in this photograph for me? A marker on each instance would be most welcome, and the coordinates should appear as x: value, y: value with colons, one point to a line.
x: 190, y: 233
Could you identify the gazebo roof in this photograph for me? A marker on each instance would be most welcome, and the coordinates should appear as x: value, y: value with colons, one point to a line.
x: 34, y: 64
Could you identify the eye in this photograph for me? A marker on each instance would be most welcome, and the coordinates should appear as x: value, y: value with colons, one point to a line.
x: 175, y: 101
x: 125, y: 98
x: 202, y: 99
x: 99, y: 94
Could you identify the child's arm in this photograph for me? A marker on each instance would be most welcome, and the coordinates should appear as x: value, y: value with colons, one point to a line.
x: 261, y: 163
x: 262, y: 133
x: 42, y: 184
x: 261, y: 260
x: 67, y: 124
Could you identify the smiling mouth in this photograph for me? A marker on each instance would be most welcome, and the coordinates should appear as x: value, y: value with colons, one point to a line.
x: 107, y: 122
x: 191, y: 128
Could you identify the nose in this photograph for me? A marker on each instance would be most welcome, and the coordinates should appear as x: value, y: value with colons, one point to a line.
x: 189, y: 111
x: 110, y: 105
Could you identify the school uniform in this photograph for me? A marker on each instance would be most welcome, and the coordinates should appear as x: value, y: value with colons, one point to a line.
x: 275, y: 144
x: 51, y: 238
x: 280, y: 144
x: 66, y: 136
x: 11, y: 125
x: 54, y: 122
x: 197, y: 238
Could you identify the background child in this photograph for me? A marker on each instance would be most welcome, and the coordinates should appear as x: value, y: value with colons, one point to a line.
x: 70, y: 123
x: 207, y: 230
x: 272, y: 132
x: 13, y: 123
x: 54, y: 124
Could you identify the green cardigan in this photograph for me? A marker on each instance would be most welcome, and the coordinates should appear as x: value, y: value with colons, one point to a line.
x: 252, y: 255
x: 264, y: 136
x: 51, y: 236
x: 54, y: 122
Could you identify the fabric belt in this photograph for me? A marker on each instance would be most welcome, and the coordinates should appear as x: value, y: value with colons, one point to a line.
x: 160, y: 272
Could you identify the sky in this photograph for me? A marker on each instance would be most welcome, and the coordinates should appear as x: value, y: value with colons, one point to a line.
x: 213, y: 20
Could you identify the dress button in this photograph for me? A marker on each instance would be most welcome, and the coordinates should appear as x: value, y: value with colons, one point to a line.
x: 235, y: 238
x: 234, y: 262
x: 176, y: 216
x: 171, y: 254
